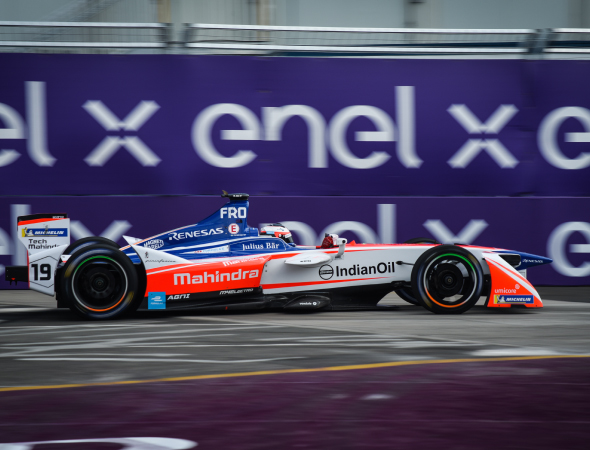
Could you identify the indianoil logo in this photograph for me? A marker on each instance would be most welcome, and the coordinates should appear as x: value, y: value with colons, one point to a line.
x: 326, y: 272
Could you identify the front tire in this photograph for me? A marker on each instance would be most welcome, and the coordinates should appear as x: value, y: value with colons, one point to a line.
x: 447, y: 280
x: 406, y: 293
x: 100, y: 282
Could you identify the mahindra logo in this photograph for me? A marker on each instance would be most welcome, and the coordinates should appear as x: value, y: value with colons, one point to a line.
x: 217, y: 277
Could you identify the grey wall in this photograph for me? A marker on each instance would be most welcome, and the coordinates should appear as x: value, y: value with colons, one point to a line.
x: 346, y: 13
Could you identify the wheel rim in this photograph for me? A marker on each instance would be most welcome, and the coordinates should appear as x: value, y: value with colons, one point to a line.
x: 99, y: 283
x: 450, y: 280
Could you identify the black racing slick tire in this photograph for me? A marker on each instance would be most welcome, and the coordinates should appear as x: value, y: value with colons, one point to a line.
x: 447, y: 280
x: 406, y: 293
x: 100, y: 282
x: 87, y: 241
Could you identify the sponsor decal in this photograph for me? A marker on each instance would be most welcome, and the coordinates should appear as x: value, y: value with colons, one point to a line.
x: 507, y: 291
x: 156, y: 300
x: 49, y: 232
x: 532, y: 261
x: 233, y: 228
x: 178, y: 297
x: 157, y: 261
x: 241, y: 261
x: 222, y: 249
x: 267, y: 245
x: 236, y: 291
x: 514, y: 299
x: 308, y: 303
x: 154, y: 244
x: 217, y: 277
x: 194, y: 234
x: 326, y: 272
x: 232, y: 212
x: 39, y: 244
x: 356, y: 269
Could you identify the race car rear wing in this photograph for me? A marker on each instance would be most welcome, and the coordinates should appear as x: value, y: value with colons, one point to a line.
x: 45, y: 236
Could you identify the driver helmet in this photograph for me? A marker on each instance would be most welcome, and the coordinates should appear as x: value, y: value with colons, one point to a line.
x: 277, y: 230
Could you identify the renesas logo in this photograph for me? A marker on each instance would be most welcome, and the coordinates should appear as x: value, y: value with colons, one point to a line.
x: 154, y: 244
x: 194, y: 234
x: 532, y: 261
x: 49, y: 232
x: 187, y: 278
x: 326, y: 272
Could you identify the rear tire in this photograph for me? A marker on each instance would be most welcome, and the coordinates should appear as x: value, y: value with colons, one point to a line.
x: 87, y: 241
x: 100, y: 282
x: 447, y: 280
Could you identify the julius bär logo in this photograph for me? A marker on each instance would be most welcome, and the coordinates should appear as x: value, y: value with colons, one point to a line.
x: 326, y: 272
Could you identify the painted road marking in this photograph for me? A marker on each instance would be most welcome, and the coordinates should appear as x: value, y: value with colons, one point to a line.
x: 201, y: 361
x: 286, y: 371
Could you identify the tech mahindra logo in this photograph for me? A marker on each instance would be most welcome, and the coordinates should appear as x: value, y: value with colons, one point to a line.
x: 187, y: 278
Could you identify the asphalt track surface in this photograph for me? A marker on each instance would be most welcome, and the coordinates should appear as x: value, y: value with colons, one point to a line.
x: 396, y: 378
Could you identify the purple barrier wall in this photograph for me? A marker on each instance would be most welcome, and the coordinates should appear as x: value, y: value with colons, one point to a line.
x: 554, y: 227
x: 167, y: 124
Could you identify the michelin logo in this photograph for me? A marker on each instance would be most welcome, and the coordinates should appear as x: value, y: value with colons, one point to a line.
x: 514, y: 299
x: 49, y: 232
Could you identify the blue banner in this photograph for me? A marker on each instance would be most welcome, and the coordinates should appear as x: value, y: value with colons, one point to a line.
x: 185, y: 125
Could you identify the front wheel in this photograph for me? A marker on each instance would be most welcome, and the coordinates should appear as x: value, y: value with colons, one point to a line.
x: 447, y: 280
x: 406, y: 293
x: 100, y: 282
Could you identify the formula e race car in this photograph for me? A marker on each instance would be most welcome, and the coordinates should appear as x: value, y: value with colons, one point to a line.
x: 222, y: 264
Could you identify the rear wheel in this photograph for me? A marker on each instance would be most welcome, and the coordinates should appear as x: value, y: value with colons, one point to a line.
x: 100, y: 282
x: 447, y: 280
x: 406, y: 293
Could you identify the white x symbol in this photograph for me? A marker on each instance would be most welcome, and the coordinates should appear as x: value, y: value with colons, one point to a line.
x: 473, y: 147
x: 111, y: 144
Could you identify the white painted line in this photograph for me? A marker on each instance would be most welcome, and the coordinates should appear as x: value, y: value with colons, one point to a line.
x: 202, y: 361
x: 500, y: 352
x: 17, y: 310
x: 160, y: 333
x: 377, y: 397
x: 131, y: 333
x: 360, y: 336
